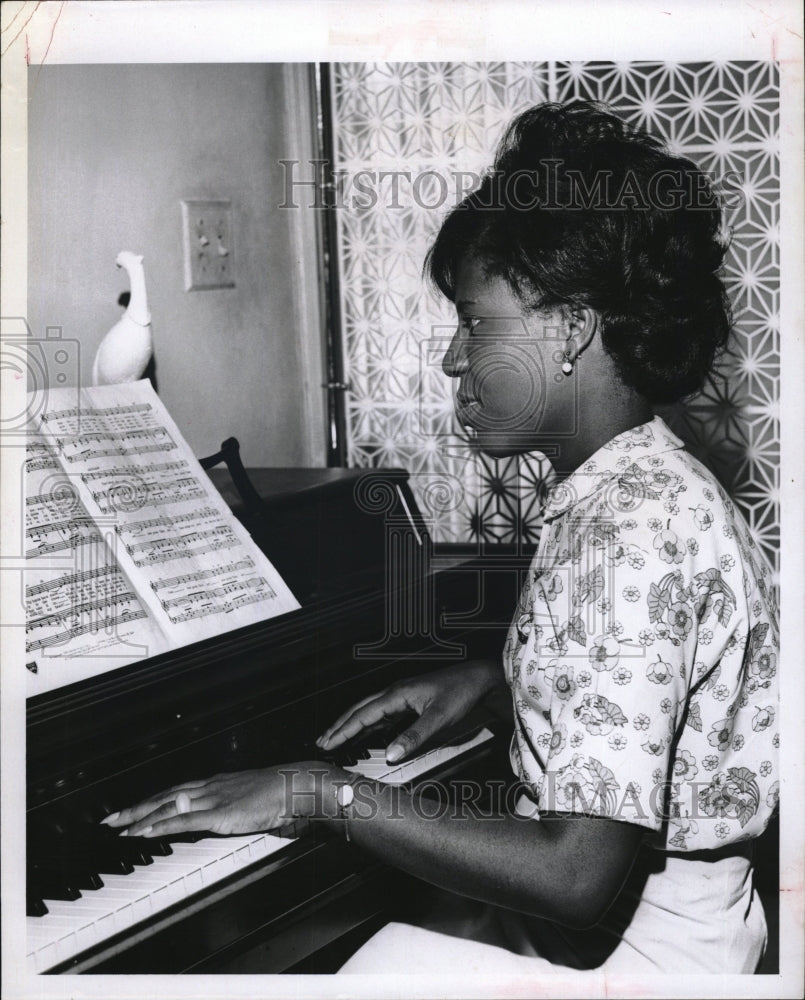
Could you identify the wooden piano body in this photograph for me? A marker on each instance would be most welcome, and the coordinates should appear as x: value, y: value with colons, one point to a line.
x: 377, y: 604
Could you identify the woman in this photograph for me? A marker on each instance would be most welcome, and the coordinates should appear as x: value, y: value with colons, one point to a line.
x: 642, y: 656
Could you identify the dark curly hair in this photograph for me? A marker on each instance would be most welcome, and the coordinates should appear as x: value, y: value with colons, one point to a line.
x: 581, y: 209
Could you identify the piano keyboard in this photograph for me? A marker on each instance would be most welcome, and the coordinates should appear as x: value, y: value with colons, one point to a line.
x: 70, y: 927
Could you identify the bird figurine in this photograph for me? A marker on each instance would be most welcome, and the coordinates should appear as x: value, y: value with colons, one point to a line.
x: 126, y: 350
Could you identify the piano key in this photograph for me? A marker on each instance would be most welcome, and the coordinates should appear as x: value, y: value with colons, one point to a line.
x: 159, y: 848
x: 88, y: 880
x: 53, y: 885
x: 78, y: 874
x: 136, y: 853
x: 34, y: 906
x: 398, y: 774
x: 105, y: 863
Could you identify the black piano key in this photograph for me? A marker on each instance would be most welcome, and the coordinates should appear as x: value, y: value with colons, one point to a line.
x: 343, y: 756
x: 79, y: 872
x: 188, y: 838
x: 105, y: 863
x: 50, y: 883
x: 137, y: 850
x: 34, y: 906
x: 88, y: 880
x: 82, y: 875
x: 160, y: 848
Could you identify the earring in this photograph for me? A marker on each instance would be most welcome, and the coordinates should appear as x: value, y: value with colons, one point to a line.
x: 567, y: 365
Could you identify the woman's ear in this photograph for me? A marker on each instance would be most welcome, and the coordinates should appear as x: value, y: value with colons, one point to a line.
x: 582, y: 326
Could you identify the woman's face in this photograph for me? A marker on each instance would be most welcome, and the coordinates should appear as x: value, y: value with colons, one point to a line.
x: 506, y: 363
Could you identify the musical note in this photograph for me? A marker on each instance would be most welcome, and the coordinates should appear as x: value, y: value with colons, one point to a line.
x: 130, y: 472
x: 70, y: 580
x: 62, y: 545
x: 202, y: 574
x: 40, y: 464
x: 94, y: 411
x: 58, y: 618
x: 167, y: 550
x: 225, y: 607
x: 153, y: 494
x: 166, y: 521
x: 68, y: 634
x: 225, y: 591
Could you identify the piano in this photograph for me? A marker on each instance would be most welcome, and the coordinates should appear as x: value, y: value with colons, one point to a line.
x: 378, y: 603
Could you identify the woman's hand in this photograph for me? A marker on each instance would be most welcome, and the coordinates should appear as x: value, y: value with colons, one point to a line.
x: 243, y: 802
x: 439, y: 699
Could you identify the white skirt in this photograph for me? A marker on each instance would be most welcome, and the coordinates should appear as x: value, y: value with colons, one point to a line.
x: 692, y: 916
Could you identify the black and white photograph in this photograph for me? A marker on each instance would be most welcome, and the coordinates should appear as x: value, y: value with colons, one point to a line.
x: 402, y: 465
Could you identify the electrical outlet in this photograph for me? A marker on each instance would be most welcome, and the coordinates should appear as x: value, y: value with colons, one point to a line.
x: 209, y: 258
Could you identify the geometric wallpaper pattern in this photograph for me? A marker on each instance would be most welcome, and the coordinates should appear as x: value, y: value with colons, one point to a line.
x: 410, y: 141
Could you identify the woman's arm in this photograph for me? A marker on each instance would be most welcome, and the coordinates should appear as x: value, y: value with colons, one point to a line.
x: 566, y: 869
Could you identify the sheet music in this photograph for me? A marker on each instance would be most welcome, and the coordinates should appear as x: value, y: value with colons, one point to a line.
x: 82, y: 614
x: 178, y: 568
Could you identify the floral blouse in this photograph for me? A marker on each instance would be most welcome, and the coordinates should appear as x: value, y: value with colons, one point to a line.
x: 642, y: 658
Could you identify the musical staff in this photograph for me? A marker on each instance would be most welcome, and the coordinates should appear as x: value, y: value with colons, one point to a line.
x: 133, y: 472
x: 80, y: 611
x: 40, y: 464
x: 225, y: 607
x: 95, y: 411
x: 74, y: 632
x: 152, y: 494
x: 64, y: 544
x: 166, y: 521
x: 202, y: 574
x: 90, y: 446
x: 70, y: 526
x: 162, y: 550
x: 70, y: 580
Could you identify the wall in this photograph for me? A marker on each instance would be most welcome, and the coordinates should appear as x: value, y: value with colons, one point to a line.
x: 112, y: 151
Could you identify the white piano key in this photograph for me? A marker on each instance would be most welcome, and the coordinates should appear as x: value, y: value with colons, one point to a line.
x: 70, y: 911
x: 377, y: 769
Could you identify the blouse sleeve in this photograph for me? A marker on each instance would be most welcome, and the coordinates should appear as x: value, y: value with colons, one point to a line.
x: 614, y: 701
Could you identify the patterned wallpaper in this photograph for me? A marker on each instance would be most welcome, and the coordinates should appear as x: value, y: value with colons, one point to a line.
x: 410, y: 139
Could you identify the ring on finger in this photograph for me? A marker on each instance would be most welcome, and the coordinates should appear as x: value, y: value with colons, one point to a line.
x: 182, y: 803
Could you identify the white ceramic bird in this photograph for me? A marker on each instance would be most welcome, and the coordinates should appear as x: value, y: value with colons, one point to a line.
x: 125, y: 351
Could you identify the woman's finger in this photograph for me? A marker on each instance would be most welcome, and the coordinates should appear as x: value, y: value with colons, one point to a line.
x: 377, y: 710
x: 132, y: 814
x: 182, y: 805
x: 328, y: 733
x: 163, y: 805
x: 191, y: 822
x: 193, y: 789
x: 415, y: 736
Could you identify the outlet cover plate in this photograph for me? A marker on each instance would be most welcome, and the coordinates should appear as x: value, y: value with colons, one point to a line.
x: 209, y: 255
